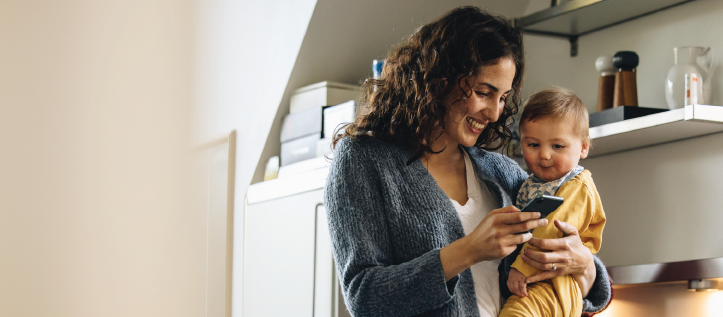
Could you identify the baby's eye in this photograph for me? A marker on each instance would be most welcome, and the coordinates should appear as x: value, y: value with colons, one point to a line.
x: 558, y: 146
x: 533, y: 145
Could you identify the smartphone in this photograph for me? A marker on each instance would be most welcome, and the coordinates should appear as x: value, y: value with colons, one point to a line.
x: 544, y: 204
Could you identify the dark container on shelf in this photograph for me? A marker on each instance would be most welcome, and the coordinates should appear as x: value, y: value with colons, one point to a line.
x: 620, y: 113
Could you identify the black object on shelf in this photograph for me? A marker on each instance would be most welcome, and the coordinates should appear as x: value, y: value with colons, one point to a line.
x: 619, y: 114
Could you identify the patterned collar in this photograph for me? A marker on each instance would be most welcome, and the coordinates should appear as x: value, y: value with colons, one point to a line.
x: 534, y: 186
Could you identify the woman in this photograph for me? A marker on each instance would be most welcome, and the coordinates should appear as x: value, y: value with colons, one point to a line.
x: 419, y: 211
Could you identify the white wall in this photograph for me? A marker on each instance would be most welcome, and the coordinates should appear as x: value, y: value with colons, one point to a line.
x: 94, y: 101
x: 652, y: 37
x: 678, y: 178
x: 662, y: 202
x: 245, y: 52
x: 344, y: 36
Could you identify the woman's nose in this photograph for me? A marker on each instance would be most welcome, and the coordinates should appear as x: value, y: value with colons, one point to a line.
x: 493, y: 111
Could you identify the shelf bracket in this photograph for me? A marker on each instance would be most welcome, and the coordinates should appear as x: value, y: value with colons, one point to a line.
x: 573, y: 45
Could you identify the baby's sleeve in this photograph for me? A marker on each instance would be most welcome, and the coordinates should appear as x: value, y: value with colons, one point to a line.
x: 582, y: 208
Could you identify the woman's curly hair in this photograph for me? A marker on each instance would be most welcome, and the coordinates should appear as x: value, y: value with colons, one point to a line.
x: 406, y: 104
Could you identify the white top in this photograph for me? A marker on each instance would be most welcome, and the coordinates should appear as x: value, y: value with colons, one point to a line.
x: 484, y: 274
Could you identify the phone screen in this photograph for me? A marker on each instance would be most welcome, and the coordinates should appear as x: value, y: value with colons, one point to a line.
x: 544, y: 204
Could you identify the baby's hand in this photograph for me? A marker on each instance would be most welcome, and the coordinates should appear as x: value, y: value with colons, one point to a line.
x: 517, y: 283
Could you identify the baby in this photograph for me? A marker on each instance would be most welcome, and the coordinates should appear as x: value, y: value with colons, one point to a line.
x: 554, y: 137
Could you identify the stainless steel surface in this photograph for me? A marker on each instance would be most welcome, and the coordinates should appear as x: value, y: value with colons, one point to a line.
x: 580, y: 17
x: 667, y: 272
x: 668, y: 126
x: 703, y: 285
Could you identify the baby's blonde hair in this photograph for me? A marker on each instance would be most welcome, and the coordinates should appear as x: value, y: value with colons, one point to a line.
x: 557, y: 103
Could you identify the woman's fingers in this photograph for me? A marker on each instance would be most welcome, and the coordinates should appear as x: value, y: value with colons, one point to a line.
x: 520, y: 222
x: 544, y: 260
x: 570, y: 233
x: 513, y: 240
x: 527, y: 225
x: 539, y: 264
x: 505, y: 210
x: 566, y: 228
x: 545, y: 267
x: 558, y: 256
x: 499, y: 233
x: 544, y: 275
x: 511, y: 218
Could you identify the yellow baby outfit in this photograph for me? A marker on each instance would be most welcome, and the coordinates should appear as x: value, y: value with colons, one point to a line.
x: 561, y: 296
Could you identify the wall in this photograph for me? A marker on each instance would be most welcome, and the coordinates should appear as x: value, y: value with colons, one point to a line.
x: 344, y: 37
x: 244, y: 53
x: 661, y: 201
x: 94, y: 101
x: 678, y: 179
x: 652, y: 37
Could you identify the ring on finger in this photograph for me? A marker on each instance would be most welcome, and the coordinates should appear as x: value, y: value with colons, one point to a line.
x: 553, y: 267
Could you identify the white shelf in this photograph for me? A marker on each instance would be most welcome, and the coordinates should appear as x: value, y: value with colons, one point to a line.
x: 668, y: 126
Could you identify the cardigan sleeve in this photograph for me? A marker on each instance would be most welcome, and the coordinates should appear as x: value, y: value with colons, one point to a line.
x: 372, y: 284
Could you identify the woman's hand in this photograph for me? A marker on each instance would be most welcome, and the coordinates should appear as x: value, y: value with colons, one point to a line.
x: 567, y: 256
x: 499, y: 233
x: 495, y: 237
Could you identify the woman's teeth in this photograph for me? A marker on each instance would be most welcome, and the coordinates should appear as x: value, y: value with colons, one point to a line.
x: 475, y: 124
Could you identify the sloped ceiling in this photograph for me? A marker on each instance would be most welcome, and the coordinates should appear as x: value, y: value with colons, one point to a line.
x: 344, y: 36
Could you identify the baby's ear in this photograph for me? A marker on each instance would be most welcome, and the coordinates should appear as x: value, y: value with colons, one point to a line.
x: 585, y: 149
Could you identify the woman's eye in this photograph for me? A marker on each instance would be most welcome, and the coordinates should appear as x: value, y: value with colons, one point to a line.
x: 479, y: 93
x: 503, y: 99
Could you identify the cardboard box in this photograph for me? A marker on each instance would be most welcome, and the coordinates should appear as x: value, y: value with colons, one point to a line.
x: 322, y: 94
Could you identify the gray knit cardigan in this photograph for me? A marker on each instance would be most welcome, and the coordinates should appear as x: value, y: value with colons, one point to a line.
x: 388, y: 221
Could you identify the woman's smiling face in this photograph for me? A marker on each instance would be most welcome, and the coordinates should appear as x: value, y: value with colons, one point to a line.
x: 471, y: 109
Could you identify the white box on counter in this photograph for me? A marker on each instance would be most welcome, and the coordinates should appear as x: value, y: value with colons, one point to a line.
x: 300, y: 149
x: 336, y: 116
x: 300, y: 124
x: 322, y: 94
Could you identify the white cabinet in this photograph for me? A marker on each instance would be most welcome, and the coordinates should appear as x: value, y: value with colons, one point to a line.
x: 288, y: 267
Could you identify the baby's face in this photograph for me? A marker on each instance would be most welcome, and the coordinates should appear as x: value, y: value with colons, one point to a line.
x: 551, y: 148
